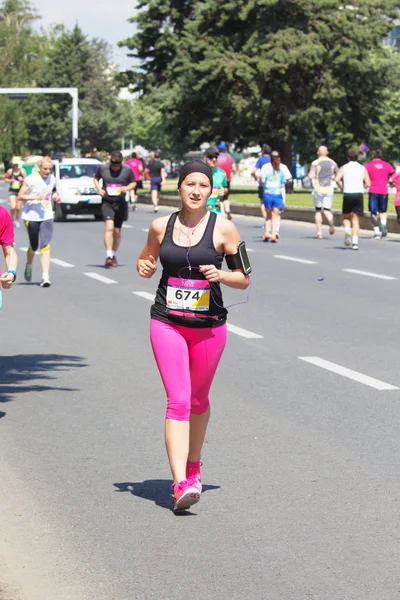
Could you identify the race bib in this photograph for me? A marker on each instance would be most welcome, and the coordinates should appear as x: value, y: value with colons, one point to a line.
x: 113, y: 189
x: 188, y: 294
x: 15, y: 185
x: 215, y: 193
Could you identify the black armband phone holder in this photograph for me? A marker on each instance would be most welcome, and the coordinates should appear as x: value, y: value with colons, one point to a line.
x: 240, y: 260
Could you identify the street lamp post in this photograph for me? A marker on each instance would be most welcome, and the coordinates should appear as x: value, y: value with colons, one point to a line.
x: 73, y: 92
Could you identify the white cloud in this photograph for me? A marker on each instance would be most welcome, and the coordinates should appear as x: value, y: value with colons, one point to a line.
x: 107, y: 20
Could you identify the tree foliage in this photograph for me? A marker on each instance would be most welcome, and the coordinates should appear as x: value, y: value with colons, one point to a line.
x: 20, y: 53
x: 75, y: 61
x: 287, y: 71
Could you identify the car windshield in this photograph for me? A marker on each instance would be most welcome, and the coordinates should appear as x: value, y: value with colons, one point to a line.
x: 78, y: 170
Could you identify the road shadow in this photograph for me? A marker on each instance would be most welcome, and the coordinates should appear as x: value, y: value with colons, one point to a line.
x: 157, y: 491
x: 19, y: 372
x: 109, y: 269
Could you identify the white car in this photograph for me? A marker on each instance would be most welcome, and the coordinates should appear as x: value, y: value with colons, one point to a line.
x: 74, y: 183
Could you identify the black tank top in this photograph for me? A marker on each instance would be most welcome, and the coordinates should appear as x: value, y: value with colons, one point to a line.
x: 14, y: 178
x: 184, y: 296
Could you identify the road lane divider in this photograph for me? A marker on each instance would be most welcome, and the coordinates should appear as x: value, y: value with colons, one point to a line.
x: 349, y: 373
x: 294, y: 259
x: 245, y: 333
x: 126, y: 226
x: 100, y: 278
x: 145, y: 295
x: 26, y: 250
x: 145, y: 230
x: 368, y: 274
x: 61, y: 263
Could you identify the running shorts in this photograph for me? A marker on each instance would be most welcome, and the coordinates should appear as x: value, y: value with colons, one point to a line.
x: 323, y: 200
x: 228, y: 192
x: 116, y: 212
x: 353, y: 203
x: 378, y: 203
x: 139, y: 185
x: 155, y: 184
x: 261, y: 193
x: 272, y: 201
x: 40, y: 234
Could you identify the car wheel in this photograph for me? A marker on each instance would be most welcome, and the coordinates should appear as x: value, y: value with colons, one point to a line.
x: 59, y: 214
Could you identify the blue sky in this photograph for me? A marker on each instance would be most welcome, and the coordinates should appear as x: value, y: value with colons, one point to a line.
x: 107, y: 19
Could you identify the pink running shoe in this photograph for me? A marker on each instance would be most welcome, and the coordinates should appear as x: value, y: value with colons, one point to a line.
x: 185, y: 495
x: 193, y: 475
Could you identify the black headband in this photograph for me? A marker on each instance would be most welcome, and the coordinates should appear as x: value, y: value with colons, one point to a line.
x: 195, y: 166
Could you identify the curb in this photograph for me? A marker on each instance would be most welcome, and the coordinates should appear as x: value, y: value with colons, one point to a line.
x: 305, y: 214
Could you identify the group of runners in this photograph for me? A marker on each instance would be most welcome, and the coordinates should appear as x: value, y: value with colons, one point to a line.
x: 353, y: 179
x: 188, y: 318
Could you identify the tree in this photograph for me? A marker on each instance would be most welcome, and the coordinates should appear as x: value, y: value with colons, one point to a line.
x: 286, y: 71
x: 75, y: 61
x: 20, y: 52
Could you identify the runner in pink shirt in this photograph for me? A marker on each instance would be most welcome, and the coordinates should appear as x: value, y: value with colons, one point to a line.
x: 396, y: 182
x: 6, y: 242
x: 227, y: 164
x: 137, y: 167
x: 379, y: 172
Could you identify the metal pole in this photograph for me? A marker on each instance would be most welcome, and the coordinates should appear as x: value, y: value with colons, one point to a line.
x: 74, y: 95
x: 73, y: 92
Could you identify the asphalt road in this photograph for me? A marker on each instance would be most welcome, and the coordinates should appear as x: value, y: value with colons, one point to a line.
x: 301, y: 463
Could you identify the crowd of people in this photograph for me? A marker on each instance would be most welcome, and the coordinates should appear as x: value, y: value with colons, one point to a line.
x: 188, y: 317
x: 353, y: 179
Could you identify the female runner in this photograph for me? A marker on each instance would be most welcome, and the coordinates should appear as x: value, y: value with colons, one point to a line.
x: 15, y: 177
x: 37, y: 193
x: 188, y: 320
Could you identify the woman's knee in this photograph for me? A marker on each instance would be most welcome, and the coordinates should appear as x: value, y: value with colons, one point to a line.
x: 178, y: 409
x: 199, y: 405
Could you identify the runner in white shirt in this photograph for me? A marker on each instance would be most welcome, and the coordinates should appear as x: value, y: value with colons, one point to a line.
x: 352, y: 180
x: 37, y: 193
x: 285, y: 170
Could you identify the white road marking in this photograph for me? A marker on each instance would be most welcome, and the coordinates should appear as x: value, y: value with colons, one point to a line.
x: 60, y: 263
x: 125, y: 226
x: 243, y: 332
x: 349, y: 373
x: 145, y: 295
x: 145, y: 230
x: 2, y: 201
x: 368, y: 274
x: 250, y: 250
x: 100, y: 278
x: 232, y: 328
x: 299, y: 260
x: 26, y: 250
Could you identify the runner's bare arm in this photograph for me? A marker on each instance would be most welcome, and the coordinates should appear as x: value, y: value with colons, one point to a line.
x: 147, y: 260
x: 231, y: 240
x: 338, y: 178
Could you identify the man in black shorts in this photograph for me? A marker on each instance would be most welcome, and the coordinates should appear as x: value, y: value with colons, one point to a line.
x: 352, y: 180
x: 117, y: 180
x: 156, y: 169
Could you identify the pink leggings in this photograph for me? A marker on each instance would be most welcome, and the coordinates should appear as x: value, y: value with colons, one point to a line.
x: 187, y: 359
